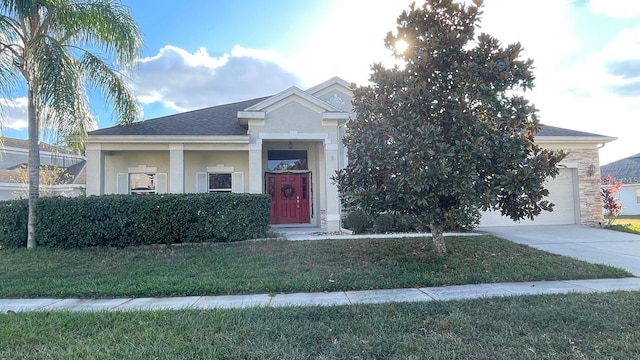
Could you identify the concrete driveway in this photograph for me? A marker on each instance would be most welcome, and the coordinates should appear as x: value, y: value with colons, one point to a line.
x: 581, y: 242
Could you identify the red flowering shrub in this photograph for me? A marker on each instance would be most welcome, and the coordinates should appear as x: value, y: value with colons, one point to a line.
x: 612, y: 206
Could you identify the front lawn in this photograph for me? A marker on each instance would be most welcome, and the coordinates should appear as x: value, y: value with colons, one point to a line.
x: 279, y: 266
x: 626, y: 223
x: 627, y: 219
x: 574, y: 326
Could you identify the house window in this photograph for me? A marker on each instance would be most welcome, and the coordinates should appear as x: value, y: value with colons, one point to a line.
x: 637, y: 196
x: 220, y: 183
x: 284, y: 160
x: 142, y: 183
x: 219, y: 178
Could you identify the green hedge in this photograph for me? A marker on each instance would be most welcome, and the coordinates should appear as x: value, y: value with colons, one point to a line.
x: 13, y: 223
x: 126, y: 220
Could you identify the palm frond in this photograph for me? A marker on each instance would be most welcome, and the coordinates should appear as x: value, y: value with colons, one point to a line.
x: 59, y: 84
x: 9, y: 7
x: 50, y: 43
x: 9, y: 28
x: 9, y: 73
x: 115, y: 90
x: 10, y: 61
x: 10, y: 51
x: 103, y: 23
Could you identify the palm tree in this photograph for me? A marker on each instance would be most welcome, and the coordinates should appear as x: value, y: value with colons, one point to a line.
x: 52, y: 46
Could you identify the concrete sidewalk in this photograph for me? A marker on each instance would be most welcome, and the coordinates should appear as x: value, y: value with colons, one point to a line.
x: 441, y: 293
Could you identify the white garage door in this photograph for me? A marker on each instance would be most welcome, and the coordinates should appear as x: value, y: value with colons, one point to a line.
x: 562, y: 193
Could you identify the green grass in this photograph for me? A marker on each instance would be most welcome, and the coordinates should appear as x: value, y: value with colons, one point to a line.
x: 574, y: 326
x: 279, y: 266
x: 626, y: 223
x: 628, y: 219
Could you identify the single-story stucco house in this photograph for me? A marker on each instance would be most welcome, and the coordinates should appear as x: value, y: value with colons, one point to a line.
x: 289, y: 145
x: 626, y: 171
x: 14, y: 155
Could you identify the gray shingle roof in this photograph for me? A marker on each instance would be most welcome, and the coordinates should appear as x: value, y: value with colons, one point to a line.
x: 556, y: 131
x: 76, y: 172
x: 216, y: 120
x: 626, y: 170
x: 8, y: 142
x: 223, y: 120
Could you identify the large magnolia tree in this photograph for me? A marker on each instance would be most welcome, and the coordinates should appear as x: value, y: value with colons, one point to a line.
x: 59, y: 49
x: 449, y: 133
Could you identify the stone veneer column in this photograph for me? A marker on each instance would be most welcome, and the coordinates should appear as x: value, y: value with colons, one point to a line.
x: 95, y: 170
x: 176, y: 168
x: 590, y: 200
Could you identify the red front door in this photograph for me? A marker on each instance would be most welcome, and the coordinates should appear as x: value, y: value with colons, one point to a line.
x: 289, y: 198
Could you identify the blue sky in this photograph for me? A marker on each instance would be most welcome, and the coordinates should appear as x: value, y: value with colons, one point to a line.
x: 202, y: 53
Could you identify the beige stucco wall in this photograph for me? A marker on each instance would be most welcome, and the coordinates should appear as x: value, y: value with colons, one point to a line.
x: 305, y: 124
x: 198, y: 161
x: 296, y: 118
x: 194, y: 162
x: 119, y: 162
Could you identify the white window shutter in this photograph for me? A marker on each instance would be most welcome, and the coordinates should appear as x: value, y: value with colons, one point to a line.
x: 161, y: 183
x: 123, y: 183
x: 237, y: 182
x: 201, y: 182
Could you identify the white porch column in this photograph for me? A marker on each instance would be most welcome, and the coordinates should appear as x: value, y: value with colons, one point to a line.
x: 255, y: 167
x: 95, y: 169
x: 332, y: 201
x: 176, y: 168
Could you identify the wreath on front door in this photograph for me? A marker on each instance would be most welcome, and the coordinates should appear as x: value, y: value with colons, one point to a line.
x: 288, y: 191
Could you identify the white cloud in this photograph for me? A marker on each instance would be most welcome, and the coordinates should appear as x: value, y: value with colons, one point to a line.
x: 542, y: 27
x: 581, y: 96
x: 13, y: 113
x: 613, y: 70
x: 350, y: 37
x: 348, y: 41
x: 183, y: 81
x: 616, y: 8
x: 199, y: 58
x: 598, y: 94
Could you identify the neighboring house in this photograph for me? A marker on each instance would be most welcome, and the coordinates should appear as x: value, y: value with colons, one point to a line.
x: 14, y: 153
x: 289, y: 145
x: 627, y: 171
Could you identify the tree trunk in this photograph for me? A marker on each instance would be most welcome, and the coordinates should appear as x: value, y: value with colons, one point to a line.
x: 437, y: 235
x: 33, y: 167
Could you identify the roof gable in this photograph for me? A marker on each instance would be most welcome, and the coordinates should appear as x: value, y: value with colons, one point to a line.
x: 334, y: 82
x: 292, y: 92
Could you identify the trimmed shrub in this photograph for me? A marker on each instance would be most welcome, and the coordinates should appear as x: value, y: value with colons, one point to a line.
x: 126, y: 220
x: 383, y: 223
x: 405, y: 223
x: 357, y: 221
x: 13, y: 223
